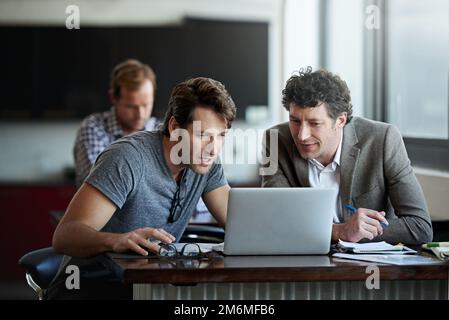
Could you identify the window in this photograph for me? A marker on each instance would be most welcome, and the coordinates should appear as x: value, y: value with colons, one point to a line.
x: 416, y: 77
x: 418, y: 60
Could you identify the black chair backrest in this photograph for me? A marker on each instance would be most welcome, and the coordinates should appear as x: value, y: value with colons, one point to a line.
x: 42, y: 265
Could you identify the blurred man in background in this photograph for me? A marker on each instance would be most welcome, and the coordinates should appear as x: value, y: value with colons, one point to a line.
x: 132, y: 91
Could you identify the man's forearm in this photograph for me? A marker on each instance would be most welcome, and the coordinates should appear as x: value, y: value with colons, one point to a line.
x: 408, y: 230
x: 79, y: 240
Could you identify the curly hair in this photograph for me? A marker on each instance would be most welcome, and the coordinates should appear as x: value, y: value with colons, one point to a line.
x: 309, y: 89
x: 194, y: 92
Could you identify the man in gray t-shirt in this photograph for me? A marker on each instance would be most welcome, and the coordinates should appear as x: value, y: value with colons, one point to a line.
x: 147, y: 185
x: 143, y: 188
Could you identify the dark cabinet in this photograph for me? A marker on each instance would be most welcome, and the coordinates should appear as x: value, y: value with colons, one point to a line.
x: 53, y: 72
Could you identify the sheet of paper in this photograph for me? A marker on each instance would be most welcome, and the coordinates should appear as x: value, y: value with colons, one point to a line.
x: 371, y: 246
x: 374, y: 247
x: 399, y: 260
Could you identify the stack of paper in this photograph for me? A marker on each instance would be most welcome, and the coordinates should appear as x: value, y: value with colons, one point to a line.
x: 382, y: 252
x: 395, y: 259
x: 373, y: 248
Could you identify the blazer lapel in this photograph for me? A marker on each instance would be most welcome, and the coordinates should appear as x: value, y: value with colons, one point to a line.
x: 301, y: 166
x: 348, y: 161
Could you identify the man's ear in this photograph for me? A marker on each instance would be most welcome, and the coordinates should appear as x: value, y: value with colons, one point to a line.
x: 341, y: 119
x: 173, y: 125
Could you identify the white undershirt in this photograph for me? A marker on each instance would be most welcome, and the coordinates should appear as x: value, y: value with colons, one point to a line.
x: 328, y: 177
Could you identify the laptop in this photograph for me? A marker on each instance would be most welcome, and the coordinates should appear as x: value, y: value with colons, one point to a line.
x: 279, y: 221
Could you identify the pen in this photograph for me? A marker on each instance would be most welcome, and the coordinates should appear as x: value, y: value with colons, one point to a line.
x: 352, y: 209
x: 437, y: 244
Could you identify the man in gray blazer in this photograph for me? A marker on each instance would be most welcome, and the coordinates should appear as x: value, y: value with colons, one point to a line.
x: 323, y: 146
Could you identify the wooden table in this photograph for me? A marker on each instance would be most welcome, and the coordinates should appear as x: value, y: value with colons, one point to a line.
x: 279, y: 277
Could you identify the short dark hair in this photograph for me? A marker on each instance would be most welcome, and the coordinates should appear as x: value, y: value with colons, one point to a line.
x: 130, y: 74
x: 309, y: 89
x: 195, y: 92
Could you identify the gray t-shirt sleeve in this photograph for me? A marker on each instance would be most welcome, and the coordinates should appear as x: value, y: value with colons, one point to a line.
x: 117, y: 171
x: 215, y: 178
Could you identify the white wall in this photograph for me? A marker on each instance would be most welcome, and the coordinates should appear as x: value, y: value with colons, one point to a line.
x: 344, y: 55
x: 37, y: 151
x: 301, y: 39
x: 133, y: 12
x: 435, y: 185
x: 301, y: 34
x: 345, y: 46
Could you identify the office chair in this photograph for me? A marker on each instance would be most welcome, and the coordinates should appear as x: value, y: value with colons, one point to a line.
x: 202, y: 233
x: 41, y: 267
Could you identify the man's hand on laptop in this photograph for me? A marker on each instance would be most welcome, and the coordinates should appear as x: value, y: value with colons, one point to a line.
x: 364, y: 223
x: 138, y: 240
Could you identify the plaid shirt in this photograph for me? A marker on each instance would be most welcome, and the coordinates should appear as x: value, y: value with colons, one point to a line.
x: 96, y: 132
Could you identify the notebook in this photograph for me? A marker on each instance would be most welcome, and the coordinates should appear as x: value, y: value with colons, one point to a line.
x: 373, y: 248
